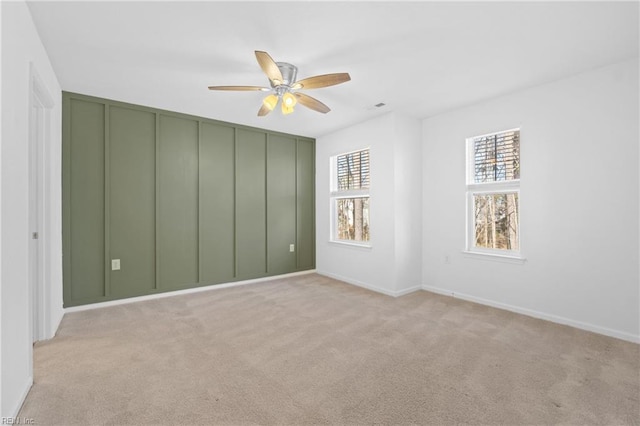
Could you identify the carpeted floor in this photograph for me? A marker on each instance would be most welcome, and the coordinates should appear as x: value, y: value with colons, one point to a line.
x: 312, y: 350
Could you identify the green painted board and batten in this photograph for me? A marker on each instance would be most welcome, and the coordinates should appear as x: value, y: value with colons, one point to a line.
x: 132, y: 200
x: 177, y: 245
x: 182, y: 201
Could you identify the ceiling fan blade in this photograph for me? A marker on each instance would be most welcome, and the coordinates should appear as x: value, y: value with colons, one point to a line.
x: 269, y: 67
x: 312, y: 103
x: 324, y: 80
x: 264, y: 110
x: 239, y: 88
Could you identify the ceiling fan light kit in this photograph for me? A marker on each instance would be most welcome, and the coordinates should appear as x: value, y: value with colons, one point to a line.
x: 282, y: 78
x: 270, y: 102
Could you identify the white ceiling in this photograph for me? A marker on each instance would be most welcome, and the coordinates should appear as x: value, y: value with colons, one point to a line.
x: 420, y: 58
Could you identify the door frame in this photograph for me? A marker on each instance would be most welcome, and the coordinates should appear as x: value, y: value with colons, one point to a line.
x: 40, y: 111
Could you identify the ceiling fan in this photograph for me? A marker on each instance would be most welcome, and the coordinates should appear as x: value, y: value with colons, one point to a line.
x: 284, y: 86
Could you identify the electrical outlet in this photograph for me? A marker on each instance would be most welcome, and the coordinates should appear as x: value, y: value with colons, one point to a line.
x: 115, y: 264
x: 292, y: 248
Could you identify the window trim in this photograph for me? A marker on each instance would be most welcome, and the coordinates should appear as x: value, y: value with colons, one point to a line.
x: 487, y: 188
x: 494, y: 257
x: 336, y: 194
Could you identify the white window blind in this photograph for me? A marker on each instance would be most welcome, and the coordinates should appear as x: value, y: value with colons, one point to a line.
x: 497, y: 157
x: 353, y: 170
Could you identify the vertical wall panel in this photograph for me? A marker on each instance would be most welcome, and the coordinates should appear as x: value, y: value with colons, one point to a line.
x: 86, y: 199
x: 132, y: 140
x: 182, y: 201
x: 281, y: 203
x: 306, y: 204
x: 250, y: 203
x: 177, y: 243
x: 217, y: 245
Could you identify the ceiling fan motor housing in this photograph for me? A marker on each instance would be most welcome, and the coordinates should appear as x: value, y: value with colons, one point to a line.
x: 289, y: 73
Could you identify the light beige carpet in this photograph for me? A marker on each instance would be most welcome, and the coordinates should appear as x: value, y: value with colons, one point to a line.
x: 312, y: 350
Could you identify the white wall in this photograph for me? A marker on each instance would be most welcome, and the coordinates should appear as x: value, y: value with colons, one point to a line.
x: 21, y: 49
x: 407, y: 203
x: 1, y: 206
x: 579, y: 202
x: 390, y: 139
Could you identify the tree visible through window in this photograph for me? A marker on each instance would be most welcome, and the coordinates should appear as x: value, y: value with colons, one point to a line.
x: 353, y: 219
x: 350, y: 196
x: 496, y: 221
x: 493, y: 188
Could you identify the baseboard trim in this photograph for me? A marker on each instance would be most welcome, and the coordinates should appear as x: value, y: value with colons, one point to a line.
x: 408, y: 290
x: 362, y: 284
x: 23, y: 396
x: 182, y: 292
x: 537, y: 314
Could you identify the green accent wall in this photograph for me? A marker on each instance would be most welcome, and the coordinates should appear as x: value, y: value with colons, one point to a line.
x: 281, y: 203
x: 217, y: 203
x: 132, y: 201
x: 251, y: 212
x: 177, y: 174
x: 305, y: 204
x: 181, y: 201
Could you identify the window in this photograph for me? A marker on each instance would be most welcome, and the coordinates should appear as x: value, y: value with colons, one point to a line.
x: 493, y: 193
x: 350, y: 197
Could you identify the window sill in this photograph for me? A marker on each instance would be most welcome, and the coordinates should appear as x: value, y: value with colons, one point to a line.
x: 494, y: 257
x: 351, y: 244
